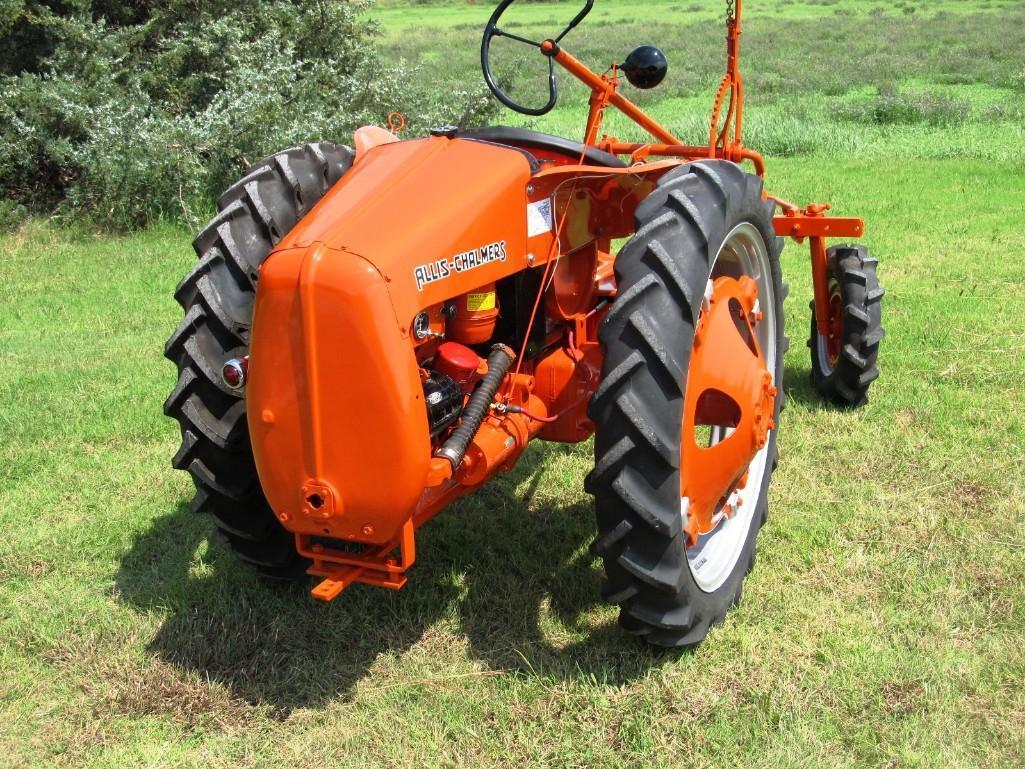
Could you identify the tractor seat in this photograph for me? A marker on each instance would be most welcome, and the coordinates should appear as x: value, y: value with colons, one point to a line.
x: 525, y: 138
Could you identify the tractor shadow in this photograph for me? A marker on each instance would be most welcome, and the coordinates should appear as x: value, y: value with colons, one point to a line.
x: 797, y: 385
x: 503, y: 569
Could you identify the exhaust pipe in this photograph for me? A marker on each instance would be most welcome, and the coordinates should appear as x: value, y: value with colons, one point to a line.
x: 454, y: 449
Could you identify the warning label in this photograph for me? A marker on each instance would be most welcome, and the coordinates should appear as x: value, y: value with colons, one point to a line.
x: 539, y: 217
x: 480, y: 302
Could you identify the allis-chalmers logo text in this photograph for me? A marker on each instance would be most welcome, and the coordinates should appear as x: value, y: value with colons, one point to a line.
x: 443, y: 268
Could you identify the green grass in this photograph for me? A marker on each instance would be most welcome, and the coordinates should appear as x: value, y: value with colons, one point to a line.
x: 882, y: 627
x: 402, y: 16
x: 867, y: 80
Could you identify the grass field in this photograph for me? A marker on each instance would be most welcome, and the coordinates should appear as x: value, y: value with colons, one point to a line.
x: 883, y: 625
x: 836, y: 78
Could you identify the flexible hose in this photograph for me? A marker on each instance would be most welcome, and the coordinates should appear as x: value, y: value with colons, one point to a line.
x: 454, y: 448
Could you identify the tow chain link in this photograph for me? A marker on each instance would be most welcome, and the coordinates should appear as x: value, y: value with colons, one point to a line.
x: 729, y: 10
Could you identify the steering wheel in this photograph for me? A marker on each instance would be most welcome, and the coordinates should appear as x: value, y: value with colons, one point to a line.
x: 492, y: 31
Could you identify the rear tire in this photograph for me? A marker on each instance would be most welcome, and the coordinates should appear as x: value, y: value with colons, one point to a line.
x: 647, y: 338
x: 217, y: 296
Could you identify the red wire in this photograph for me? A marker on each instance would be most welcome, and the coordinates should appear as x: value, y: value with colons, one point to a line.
x: 536, y: 418
x: 550, y: 264
x: 577, y: 357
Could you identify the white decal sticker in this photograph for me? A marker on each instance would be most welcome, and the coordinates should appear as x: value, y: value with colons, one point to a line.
x: 467, y: 260
x: 539, y: 217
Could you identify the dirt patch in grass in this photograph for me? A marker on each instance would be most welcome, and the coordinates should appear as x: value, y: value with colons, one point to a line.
x: 994, y: 589
x: 117, y: 685
x: 902, y: 698
x: 161, y: 690
x: 969, y: 493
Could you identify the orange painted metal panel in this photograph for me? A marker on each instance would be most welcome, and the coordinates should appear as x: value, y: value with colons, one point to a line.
x: 431, y: 204
x: 336, y: 411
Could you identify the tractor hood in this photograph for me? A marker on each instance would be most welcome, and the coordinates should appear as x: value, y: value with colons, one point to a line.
x: 335, y: 402
x: 412, y: 208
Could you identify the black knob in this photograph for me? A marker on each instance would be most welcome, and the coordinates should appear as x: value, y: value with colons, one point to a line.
x: 645, y: 67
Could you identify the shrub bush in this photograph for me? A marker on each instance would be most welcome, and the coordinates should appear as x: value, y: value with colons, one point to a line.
x: 130, y: 112
x: 901, y: 108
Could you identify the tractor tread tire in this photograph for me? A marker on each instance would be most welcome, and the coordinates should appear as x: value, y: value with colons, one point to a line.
x: 638, y: 406
x: 846, y: 385
x: 217, y: 296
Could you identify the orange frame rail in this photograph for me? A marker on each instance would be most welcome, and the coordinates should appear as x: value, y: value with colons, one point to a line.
x: 724, y: 142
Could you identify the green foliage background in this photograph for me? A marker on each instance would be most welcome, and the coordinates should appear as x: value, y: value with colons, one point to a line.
x: 130, y: 112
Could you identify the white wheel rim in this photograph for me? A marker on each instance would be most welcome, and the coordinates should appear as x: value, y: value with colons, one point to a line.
x: 820, y: 344
x: 715, y: 555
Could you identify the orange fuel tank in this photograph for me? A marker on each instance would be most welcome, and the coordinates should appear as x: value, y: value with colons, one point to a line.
x: 474, y: 315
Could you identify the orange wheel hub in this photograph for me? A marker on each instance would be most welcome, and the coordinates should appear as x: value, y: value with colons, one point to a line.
x: 729, y: 389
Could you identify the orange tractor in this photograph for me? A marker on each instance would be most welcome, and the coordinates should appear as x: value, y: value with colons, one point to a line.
x: 371, y: 333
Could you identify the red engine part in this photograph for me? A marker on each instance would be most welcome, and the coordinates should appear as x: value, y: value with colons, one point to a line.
x: 458, y: 362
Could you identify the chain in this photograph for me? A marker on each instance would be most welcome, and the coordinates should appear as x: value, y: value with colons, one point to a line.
x: 729, y: 10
